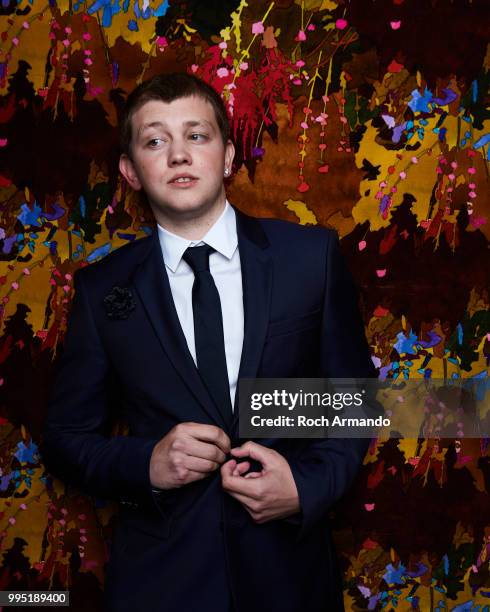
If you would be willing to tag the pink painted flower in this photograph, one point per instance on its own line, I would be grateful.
(301, 35)
(362, 245)
(381, 273)
(471, 170)
(341, 24)
(478, 221)
(86, 36)
(258, 28)
(395, 25)
(222, 72)
(403, 175)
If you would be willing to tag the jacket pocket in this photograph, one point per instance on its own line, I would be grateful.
(155, 525)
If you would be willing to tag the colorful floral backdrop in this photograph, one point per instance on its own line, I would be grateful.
(369, 116)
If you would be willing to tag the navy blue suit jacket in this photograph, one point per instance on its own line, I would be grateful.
(196, 548)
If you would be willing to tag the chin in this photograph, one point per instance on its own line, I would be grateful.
(192, 203)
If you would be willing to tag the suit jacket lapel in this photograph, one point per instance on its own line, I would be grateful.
(151, 282)
(256, 266)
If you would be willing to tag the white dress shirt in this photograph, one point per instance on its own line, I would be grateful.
(224, 265)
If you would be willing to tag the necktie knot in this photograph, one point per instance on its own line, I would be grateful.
(198, 257)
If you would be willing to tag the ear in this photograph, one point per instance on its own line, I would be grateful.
(229, 154)
(127, 169)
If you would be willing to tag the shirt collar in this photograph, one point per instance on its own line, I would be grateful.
(222, 236)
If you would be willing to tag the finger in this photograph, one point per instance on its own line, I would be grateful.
(253, 475)
(241, 468)
(210, 433)
(204, 450)
(255, 451)
(197, 464)
(250, 487)
(191, 476)
(227, 468)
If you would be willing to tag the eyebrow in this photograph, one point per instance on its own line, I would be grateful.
(190, 123)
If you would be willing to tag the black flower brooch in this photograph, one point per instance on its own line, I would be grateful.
(119, 303)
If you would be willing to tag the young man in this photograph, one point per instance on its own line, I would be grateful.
(161, 330)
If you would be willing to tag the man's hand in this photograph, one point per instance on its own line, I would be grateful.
(266, 495)
(189, 452)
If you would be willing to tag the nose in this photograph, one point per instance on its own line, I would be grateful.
(179, 153)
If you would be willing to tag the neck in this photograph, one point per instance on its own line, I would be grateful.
(194, 226)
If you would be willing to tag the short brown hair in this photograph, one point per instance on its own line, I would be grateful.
(167, 88)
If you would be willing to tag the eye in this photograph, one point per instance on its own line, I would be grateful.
(197, 137)
(154, 142)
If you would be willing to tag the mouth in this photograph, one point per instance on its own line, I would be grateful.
(183, 180)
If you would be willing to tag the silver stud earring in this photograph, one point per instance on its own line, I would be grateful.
(227, 172)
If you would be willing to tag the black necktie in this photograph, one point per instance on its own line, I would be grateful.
(208, 329)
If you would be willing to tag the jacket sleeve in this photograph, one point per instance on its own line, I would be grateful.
(325, 468)
(75, 444)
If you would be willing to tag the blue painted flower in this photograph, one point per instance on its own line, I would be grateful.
(394, 575)
(420, 103)
(27, 454)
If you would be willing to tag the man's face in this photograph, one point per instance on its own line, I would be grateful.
(178, 158)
